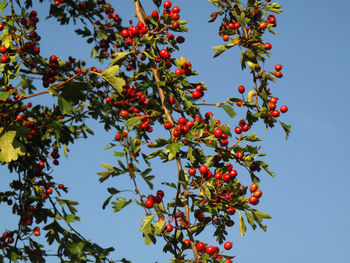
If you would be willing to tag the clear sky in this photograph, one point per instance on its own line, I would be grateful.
(308, 199)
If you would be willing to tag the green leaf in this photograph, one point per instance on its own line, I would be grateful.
(172, 149)
(113, 191)
(190, 155)
(206, 191)
(229, 110)
(14, 256)
(73, 91)
(157, 2)
(119, 58)
(10, 146)
(71, 218)
(75, 248)
(286, 128)
(109, 76)
(252, 138)
(5, 95)
(133, 121)
(274, 7)
(3, 5)
(108, 166)
(250, 219)
(64, 105)
(146, 228)
(122, 202)
(159, 227)
(242, 226)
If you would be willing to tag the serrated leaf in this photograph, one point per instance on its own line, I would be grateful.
(10, 146)
(286, 128)
(109, 76)
(75, 248)
(229, 110)
(172, 149)
(133, 121)
(119, 58)
(252, 138)
(159, 227)
(3, 5)
(6, 95)
(122, 202)
(71, 218)
(64, 105)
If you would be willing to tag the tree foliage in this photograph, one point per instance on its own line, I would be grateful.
(144, 87)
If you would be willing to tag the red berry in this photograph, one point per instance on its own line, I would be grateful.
(3, 49)
(218, 175)
(168, 125)
(284, 109)
(149, 203)
(167, 4)
(241, 89)
(160, 193)
(253, 187)
(257, 193)
(4, 59)
(275, 113)
(155, 14)
(192, 171)
(268, 46)
(200, 246)
(169, 228)
(273, 100)
(238, 130)
(36, 233)
(164, 54)
(225, 38)
(233, 173)
(210, 250)
(272, 106)
(108, 99)
(239, 155)
(196, 94)
(278, 67)
(228, 261)
(203, 169)
(278, 74)
(208, 114)
(263, 25)
(226, 177)
(253, 200)
(178, 72)
(53, 58)
(175, 9)
(228, 245)
(187, 242)
(237, 25)
(60, 186)
(218, 132)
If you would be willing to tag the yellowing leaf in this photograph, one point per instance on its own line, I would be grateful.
(251, 95)
(10, 147)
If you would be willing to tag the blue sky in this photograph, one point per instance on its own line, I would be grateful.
(308, 199)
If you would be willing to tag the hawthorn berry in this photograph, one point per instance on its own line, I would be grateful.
(160, 193)
(200, 246)
(238, 130)
(284, 109)
(203, 169)
(268, 46)
(241, 89)
(278, 74)
(169, 228)
(275, 113)
(3, 49)
(4, 59)
(196, 94)
(187, 242)
(253, 187)
(253, 200)
(175, 9)
(192, 171)
(218, 132)
(168, 125)
(257, 193)
(278, 67)
(164, 53)
(228, 245)
(167, 4)
(210, 250)
(149, 203)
